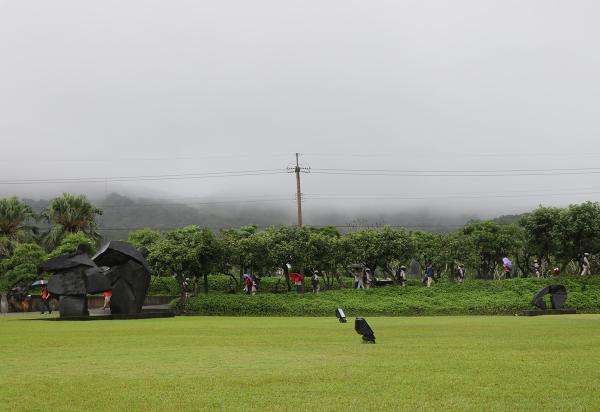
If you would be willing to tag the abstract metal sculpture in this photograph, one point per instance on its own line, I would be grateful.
(75, 275)
(362, 328)
(129, 275)
(558, 297)
(69, 281)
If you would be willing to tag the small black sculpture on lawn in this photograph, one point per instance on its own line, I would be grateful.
(73, 276)
(362, 328)
(339, 312)
(558, 297)
(129, 275)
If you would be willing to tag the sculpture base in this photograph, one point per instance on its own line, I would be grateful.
(144, 314)
(547, 312)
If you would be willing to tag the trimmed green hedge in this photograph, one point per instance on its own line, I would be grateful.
(225, 284)
(474, 297)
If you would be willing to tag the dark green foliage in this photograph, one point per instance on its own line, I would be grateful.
(163, 286)
(143, 238)
(475, 297)
(69, 244)
(70, 214)
(15, 220)
(22, 266)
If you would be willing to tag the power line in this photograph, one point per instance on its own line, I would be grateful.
(461, 171)
(206, 203)
(442, 174)
(402, 155)
(464, 196)
(142, 159)
(181, 176)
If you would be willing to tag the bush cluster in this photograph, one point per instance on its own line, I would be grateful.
(474, 297)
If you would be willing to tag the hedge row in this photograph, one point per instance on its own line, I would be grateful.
(225, 284)
(474, 297)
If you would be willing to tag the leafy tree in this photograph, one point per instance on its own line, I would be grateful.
(450, 249)
(428, 249)
(243, 248)
(22, 265)
(14, 218)
(323, 253)
(577, 231)
(69, 214)
(379, 247)
(492, 242)
(286, 245)
(186, 253)
(541, 228)
(143, 238)
(69, 244)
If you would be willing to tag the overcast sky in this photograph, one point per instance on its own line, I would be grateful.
(181, 87)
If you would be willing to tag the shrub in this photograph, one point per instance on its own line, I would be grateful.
(474, 297)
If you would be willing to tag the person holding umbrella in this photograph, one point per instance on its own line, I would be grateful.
(46, 300)
(507, 264)
(298, 280)
(247, 284)
(45, 295)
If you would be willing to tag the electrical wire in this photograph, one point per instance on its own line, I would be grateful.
(181, 176)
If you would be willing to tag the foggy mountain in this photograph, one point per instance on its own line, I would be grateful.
(122, 214)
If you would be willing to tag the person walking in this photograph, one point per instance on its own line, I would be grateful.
(368, 278)
(429, 274)
(537, 269)
(46, 300)
(247, 284)
(107, 296)
(460, 273)
(401, 275)
(585, 265)
(315, 282)
(358, 278)
(298, 282)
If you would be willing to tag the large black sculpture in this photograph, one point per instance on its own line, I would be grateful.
(129, 276)
(73, 276)
(118, 267)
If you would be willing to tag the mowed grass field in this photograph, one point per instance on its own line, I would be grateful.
(226, 363)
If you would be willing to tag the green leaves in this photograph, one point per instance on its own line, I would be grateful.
(69, 214)
(14, 216)
(22, 265)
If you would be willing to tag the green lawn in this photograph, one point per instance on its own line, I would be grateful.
(200, 363)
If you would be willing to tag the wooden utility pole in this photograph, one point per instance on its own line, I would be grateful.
(298, 192)
(297, 169)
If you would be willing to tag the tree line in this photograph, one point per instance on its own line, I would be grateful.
(556, 237)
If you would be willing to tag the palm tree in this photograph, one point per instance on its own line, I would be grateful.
(14, 218)
(69, 214)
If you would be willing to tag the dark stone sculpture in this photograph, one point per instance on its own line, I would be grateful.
(558, 297)
(362, 328)
(69, 281)
(129, 275)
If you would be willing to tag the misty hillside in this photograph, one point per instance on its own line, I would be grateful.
(123, 214)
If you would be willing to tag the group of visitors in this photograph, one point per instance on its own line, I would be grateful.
(363, 279)
(251, 284)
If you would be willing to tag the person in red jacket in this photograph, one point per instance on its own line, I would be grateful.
(298, 280)
(46, 300)
(107, 296)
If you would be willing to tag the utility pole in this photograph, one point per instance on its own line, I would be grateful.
(297, 169)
